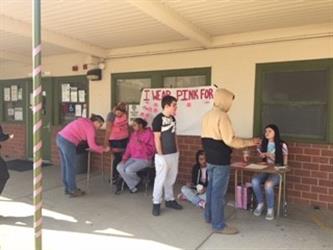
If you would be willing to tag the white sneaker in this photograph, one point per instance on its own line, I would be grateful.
(258, 210)
(270, 215)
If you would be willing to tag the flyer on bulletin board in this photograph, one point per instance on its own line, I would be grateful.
(65, 92)
(14, 92)
(18, 114)
(78, 110)
(82, 95)
(6, 94)
(73, 94)
(20, 94)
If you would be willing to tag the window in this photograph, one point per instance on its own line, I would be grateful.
(296, 96)
(126, 87)
(184, 81)
(129, 90)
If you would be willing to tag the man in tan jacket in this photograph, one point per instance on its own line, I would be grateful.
(218, 139)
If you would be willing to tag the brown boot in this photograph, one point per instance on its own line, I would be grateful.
(227, 230)
(77, 193)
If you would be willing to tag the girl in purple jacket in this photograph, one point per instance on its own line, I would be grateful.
(138, 155)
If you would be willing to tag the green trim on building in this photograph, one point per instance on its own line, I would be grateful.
(309, 65)
(156, 77)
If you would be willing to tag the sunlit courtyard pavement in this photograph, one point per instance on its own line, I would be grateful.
(102, 220)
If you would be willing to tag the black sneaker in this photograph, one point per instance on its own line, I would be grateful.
(156, 209)
(119, 185)
(173, 204)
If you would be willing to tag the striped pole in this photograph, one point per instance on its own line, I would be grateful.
(37, 122)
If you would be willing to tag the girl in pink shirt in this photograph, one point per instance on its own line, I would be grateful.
(117, 133)
(76, 132)
(138, 155)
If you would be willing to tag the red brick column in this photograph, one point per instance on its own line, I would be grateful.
(15, 148)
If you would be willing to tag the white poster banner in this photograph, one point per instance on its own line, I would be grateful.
(133, 112)
(192, 104)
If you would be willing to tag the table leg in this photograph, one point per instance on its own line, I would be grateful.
(242, 178)
(284, 195)
(279, 196)
(111, 170)
(236, 182)
(88, 169)
(102, 163)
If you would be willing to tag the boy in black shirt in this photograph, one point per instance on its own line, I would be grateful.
(167, 155)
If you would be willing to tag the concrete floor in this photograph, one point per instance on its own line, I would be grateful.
(102, 220)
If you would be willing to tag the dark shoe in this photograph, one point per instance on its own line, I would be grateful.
(67, 192)
(119, 185)
(114, 180)
(173, 204)
(77, 193)
(156, 209)
(227, 230)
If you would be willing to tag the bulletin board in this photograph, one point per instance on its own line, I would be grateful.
(13, 102)
(73, 101)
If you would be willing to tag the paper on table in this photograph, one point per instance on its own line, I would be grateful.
(256, 166)
(238, 164)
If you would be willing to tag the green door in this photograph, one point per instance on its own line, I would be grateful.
(47, 114)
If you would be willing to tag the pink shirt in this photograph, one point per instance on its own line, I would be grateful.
(81, 129)
(119, 129)
(141, 145)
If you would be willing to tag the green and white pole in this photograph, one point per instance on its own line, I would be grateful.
(37, 122)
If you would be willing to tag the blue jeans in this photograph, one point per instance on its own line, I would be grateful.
(270, 181)
(218, 180)
(68, 159)
(192, 195)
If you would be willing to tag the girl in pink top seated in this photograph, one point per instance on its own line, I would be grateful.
(81, 129)
(138, 155)
(117, 133)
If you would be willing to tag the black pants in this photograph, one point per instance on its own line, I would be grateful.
(121, 145)
(4, 175)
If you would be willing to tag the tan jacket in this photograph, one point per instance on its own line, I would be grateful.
(216, 123)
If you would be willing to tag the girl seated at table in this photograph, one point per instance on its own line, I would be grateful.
(273, 151)
(138, 155)
(195, 192)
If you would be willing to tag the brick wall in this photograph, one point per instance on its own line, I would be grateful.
(14, 148)
(310, 180)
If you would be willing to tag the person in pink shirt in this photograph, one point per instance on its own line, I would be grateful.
(117, 134)
(76, 132)
(138, 155)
